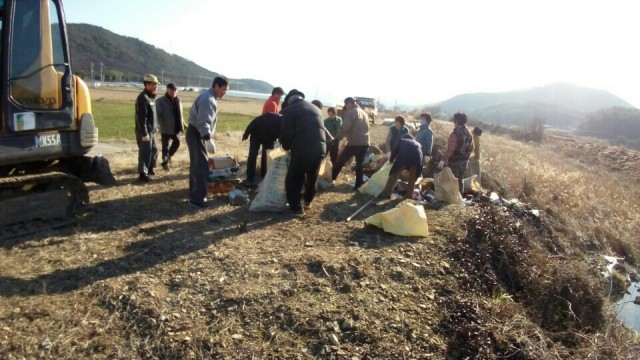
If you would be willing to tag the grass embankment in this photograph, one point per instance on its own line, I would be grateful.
(595, 206)
(115, 120)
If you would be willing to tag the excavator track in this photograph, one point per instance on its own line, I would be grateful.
(39, 202)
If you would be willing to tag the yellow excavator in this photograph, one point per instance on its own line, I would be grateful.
(46, 124)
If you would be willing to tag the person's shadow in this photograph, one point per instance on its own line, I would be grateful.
(166, 242)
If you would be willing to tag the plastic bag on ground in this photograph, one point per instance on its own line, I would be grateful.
(447, 189)
(471, 185)
(377, 182)
(405, 220)
(271, 195)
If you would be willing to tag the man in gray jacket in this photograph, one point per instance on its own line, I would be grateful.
(169, 109)
(203, 118)
(355, 127)
(146, 128)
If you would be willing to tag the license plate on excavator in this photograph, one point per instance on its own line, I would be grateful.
(48, 140)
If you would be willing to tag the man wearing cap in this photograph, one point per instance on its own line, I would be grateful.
(303, 133)
(459, 149)
(272, 105)
(355, 127)
(146, 128)
(171, 123)
(203, 118)
(473, 168)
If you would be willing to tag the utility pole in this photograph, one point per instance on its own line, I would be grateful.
(101, 78)
(198, 82)
(162, 77)
(189, 80)
(93, 79)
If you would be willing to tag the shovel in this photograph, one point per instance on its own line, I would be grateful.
(361, 208)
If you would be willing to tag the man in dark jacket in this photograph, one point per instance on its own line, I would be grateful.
(459, 149)
(146, 128)
(407, 155)
(304, 134)
(171, 123)
(264, 130)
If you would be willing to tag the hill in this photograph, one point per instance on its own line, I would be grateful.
(126, 59)
(618, 124)
(561, 105)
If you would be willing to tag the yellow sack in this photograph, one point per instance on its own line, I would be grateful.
(324, 174)
(447, 189)
(325, 169)
(405, 220)
(377, 181)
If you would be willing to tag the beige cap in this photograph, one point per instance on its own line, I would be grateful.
(151, 78)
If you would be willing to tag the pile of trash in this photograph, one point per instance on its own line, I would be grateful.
(223, 177)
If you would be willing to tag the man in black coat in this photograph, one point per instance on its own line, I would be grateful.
(264, 130)
(146, 128)
(303, 133)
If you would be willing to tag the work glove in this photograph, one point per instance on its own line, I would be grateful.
(426, 159)
(211, 146)
(441, 165)
(146, 138)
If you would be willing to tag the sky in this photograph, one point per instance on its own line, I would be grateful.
(401, 52)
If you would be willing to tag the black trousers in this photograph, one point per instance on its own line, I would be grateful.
(333, 151)
(254, 149)
(147, 154)
(301, 172)
(359, 152)
(198, 166)
(169, 150)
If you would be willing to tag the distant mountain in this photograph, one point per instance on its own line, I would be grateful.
(621, 125)
(126, 59)
(561, 105)
(571, 96)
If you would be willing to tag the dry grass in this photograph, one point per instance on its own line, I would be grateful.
(142, 276)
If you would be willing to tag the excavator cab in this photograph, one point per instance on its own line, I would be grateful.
(46, 111)
(46, 123)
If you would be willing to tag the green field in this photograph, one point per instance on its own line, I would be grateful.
(115, 120)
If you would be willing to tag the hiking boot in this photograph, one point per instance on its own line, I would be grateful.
(151, 172)
(306, 206)
(144, 178)
(197, 206)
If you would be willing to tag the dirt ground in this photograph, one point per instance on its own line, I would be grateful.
(143, 276)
